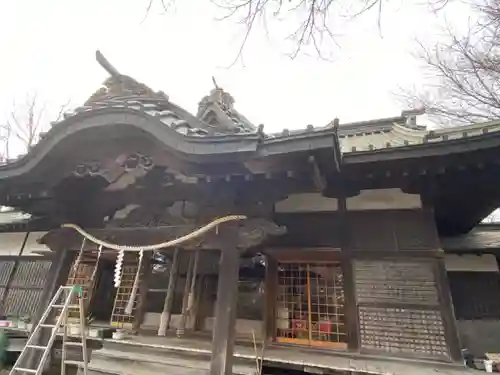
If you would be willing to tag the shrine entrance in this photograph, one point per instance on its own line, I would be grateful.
(99, 293)
(101, 303)
(310, 305)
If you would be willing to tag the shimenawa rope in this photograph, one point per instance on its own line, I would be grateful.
(198, 232)
(122, 248)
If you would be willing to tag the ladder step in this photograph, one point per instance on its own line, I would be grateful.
(36, 347)
(61, 306)
(64, 304)
(20, 369)
(71, 362)
(73, 343)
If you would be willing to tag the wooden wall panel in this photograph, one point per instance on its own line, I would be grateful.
(398, 230)
(398, 307)
(6, 268)
(308, 230)
(26, 286)
(395, 282)
(402, 331)
(31, 274)
(370, 231)
(476, 295)
(415, 230)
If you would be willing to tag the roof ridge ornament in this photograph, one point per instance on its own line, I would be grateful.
(120, 85)
(411, 115)
(215, 83)
(113, 72)
(231, 121)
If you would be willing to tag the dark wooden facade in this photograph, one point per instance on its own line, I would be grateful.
(132, 168)
(396, 293)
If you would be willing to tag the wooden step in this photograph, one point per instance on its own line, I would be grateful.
(149, 364)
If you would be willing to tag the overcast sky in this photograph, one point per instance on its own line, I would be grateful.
(49, 47)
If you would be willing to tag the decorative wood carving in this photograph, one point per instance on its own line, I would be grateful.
(253, 232)
(120, 172)
(148, 216)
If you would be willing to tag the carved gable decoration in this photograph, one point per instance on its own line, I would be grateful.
(122, 86)
(125, 170)
(217, 109)
(122, 91)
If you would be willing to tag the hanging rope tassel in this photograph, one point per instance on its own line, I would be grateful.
(118, 268)
(130, 304)
(96, 264)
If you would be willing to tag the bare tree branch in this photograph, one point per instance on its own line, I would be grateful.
(165, 4)
(24, 125)
(314, 18)
(465, 72)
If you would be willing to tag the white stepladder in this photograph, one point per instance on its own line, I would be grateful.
(73, 292)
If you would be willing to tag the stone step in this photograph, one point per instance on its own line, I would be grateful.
(128, 362)
(170, 350)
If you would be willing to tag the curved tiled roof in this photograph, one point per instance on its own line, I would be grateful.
(122, 91)
(216, 117)
(390, 133)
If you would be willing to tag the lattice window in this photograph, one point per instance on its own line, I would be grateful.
(119, 318)
(310, 305)
(82, 276)
(26, 288)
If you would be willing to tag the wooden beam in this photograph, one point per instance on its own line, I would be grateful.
(318, 177)
(225, 311)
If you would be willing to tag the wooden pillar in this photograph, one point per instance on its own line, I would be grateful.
(194, 313)
(169, 298)
(350, 306)
(192, 298)
(205, 303)
(447, 311)
(225, 311)
(185, 297)
(270, 298)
